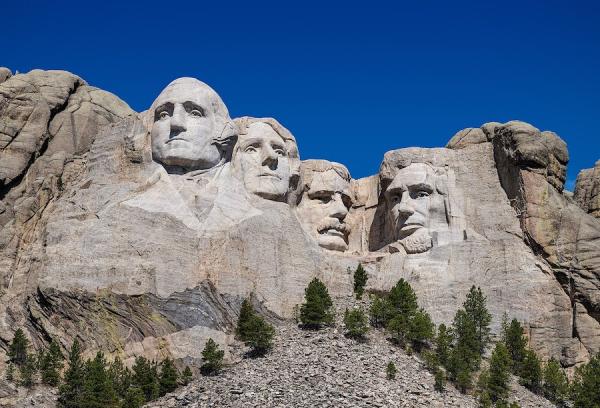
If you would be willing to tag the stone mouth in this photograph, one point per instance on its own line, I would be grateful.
(270, 175)
(175, 138)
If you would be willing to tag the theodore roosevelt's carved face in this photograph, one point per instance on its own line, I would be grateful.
(412, 200)
(188, 117)
(263, 160)
(325, 202)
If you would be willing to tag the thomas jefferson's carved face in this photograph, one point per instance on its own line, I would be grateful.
(323, 209)
(188, 116)
(411, 199)
(262, 158)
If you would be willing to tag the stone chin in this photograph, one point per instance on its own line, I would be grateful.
(332, 241)
(418, 242)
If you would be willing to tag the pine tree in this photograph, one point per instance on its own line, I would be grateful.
(516, 343)
(402, 299)
(443, 341)
(585, 389)
(246, 314)
(420, 329)
(212, 358)
(355, 322)
(531, 371)
(482, 388)
(390, 370)
(498, 382)
(10, 372)
(440, 380)
(134, 398)
(27, 371)
(555, 383)
(17, 351)
(168, 377)
(397, 327)
(317, 309)
(98, 391)
(360, 281)
(379, 312)
(51, 363)
(476, 309)
(464, 357)
(145, 377)
(120, 377)
(70, 392)
(187, 376)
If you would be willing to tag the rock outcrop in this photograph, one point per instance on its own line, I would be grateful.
(148, 230)
(587, 190)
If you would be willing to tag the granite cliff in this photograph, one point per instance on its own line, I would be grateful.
(141, 233)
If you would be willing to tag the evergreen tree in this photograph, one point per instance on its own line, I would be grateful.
(397, 327)
(420, 329)
(246, 314)
(317, 309)
(443, 341)
(516, 343)
(253, 330)
(355, 322)
(145, 377)
(70, 392)
(10, 372)
(51, 363)
(120, 377)
(379, 312)
(134, 398)
(168, 377)
(17, 351)
(187, 376)
(482, 388)
(531, 371)
(98, 391)
(360, 281)
(585, 389)
(27, 371)
(402, 299)
(476, 309)
(212, 358)
(499, 373)
(464, 379)
(440, 380)
(390, 370)
(260, 335)
(464, 357)
(555, 383)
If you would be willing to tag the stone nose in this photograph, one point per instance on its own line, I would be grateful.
(405, 208)
(178, 120)
(269, 157)
(338, 208)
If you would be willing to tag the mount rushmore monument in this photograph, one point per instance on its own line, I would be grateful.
(141, 233)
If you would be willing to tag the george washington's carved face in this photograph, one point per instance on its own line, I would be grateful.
(412, 201)
(324, 204)
(188, 116)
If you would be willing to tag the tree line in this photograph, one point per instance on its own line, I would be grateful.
(452, 353)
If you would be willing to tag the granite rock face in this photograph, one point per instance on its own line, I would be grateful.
(148, 230)
(587, 190)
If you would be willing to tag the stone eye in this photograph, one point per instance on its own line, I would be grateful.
(422, 194)
(196, 113)
(163, 115)
(250, 149)
(395, 198)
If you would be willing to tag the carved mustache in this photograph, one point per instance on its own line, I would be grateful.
(333, 223)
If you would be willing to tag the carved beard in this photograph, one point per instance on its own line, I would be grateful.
(418, 242)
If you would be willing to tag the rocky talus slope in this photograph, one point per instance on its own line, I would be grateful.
(325, 369)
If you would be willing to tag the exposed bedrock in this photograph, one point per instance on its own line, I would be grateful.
(142, 233)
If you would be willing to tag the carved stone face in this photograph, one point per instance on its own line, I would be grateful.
(324, 205)
(188, 116)
(413, 201)
(262, 158)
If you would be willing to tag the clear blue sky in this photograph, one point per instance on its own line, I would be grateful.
(350, 80)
